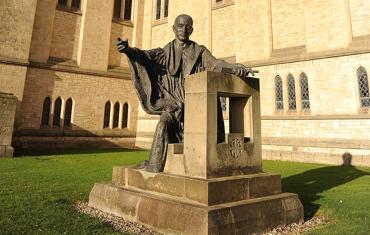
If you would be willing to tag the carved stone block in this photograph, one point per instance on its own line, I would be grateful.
(7, 113)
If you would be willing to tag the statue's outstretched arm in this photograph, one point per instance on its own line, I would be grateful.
(222, 66)
(239, 70)
(155, 55)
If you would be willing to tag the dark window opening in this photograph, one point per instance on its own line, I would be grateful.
(158, 10)
(165, 8)
(106, 115)
(57, 112)
(128, 8)
(68, 113)
(46, 112)
(116, 115)
(76, 4)
(125, 116)
(117, 9)
(62, 3)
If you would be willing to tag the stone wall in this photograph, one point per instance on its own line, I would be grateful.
(223, 26)
(12, 78)
(95, 36)
(42, 33)
(66, 34)
(17, 18)
(287, 21)
(89, 94)
(117, 59)
(252, 30)
(360, 17)
(7, 106)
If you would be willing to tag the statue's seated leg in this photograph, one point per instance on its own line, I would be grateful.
(164, 133)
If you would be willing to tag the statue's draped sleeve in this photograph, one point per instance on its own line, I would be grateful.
(147, 67)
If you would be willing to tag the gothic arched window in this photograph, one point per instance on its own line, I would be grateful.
(46, 112)
(291, 93)
(305, 96)
(279, 93)
(125, 116)
(116, 115)
(363, 85)
(68, 113)
(57, 112)
(106, 115)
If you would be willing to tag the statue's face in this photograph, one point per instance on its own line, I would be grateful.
(183, 28)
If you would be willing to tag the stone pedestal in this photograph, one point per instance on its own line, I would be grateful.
(8, 104)
(206, 187)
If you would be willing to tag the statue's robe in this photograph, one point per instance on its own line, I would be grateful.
(158, 76)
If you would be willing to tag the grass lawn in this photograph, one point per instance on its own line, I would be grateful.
(37, 193)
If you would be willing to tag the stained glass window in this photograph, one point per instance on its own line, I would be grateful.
(291, 93)
(363, 85)
(305, 96)
(279, 93)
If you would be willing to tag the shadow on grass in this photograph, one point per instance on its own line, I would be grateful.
(49, 152)
(310, 184)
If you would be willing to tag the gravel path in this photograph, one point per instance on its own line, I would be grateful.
(133, 228)
(298, 228)
(117, 223)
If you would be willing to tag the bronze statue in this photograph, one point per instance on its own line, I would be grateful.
(158, 76)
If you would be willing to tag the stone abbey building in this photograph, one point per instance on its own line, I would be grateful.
(73, 89)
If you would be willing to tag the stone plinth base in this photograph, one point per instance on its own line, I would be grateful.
(6, 151)
(182, 205)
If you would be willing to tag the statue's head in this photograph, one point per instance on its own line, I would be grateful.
(183, 27)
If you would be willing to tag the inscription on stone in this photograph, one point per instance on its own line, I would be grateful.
(5, 131)
(236, 147)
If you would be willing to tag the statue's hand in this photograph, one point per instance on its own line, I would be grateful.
(122, 45)
(242, 71)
